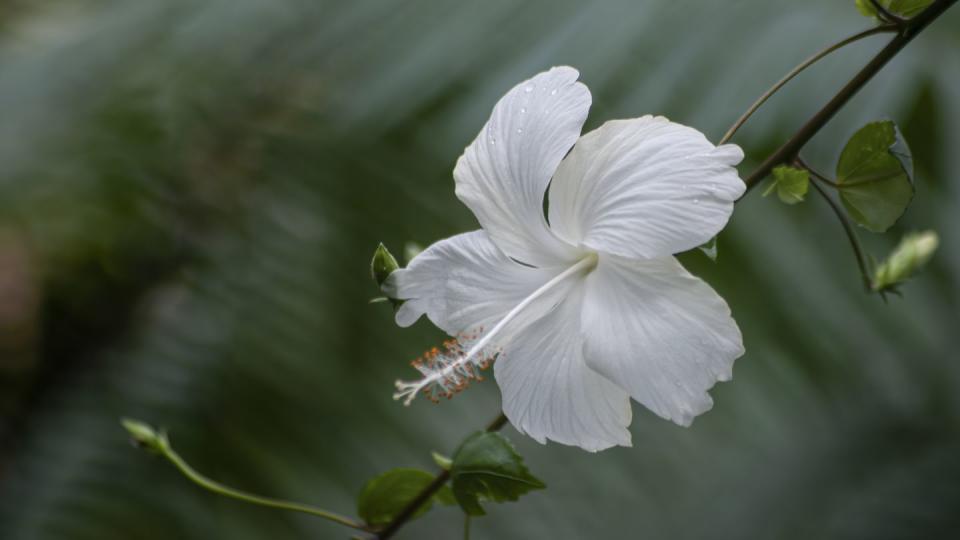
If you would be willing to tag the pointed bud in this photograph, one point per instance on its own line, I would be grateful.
(144, 436)
(382, 265)
(909, 257)
(442, 461)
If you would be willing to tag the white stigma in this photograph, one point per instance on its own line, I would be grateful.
(446, 372)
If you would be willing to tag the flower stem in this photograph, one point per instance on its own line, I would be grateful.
(847, 227)
(886, 15)
(817, 175)
(466, 527)
(797, 70)
(905, 34)
(210, 485)
(438, 482)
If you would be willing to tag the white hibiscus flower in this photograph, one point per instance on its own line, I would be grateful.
(588, 308)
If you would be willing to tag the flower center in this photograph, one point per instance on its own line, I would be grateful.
(446, 372)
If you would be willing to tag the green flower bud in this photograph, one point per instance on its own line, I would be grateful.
(442, 461)
(909, 257)
(144, 436)
(382, 265)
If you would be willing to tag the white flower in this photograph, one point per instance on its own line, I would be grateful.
(586, 309)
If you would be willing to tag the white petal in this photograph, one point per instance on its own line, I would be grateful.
(644, 188)
(660, 333)
(550, 393)
(503, 175)
(462, 283)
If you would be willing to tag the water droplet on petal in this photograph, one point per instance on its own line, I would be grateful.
(519, 130)
(493, 141)
(523, 110)
(553, 92)
(528, 88)
(696, 201)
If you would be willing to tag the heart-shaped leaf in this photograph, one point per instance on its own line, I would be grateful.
(874, 176)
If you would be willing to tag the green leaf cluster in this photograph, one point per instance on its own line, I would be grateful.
(790, 183)
(903, 8)
(385, 496)
(485, 467)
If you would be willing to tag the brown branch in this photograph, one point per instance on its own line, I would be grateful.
(788, 152)
(432, 488)
(799, 69)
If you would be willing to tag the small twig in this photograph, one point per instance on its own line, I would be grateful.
(851, 235)
(438, 482)
(160, 443)
(789, 150)
(797, 70)
(816, 175)
(886, 15)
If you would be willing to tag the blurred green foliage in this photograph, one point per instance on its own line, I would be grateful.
(190, 192)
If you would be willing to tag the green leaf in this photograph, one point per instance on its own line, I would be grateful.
(791, 184)
(866, 8)
(445, 496)
(908, 8)
(903, 8)
(487, 467)
(874, 176)
(386, 495)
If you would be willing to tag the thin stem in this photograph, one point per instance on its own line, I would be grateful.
(497, 423)
(851, 234)
(466, 527)
(788, 151)
(220, 489)
(886, 15)
(797, 70)
(816, 174)
(438, 482)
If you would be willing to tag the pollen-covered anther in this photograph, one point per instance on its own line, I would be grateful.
(448, 370)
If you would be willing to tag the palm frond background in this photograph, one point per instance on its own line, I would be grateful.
(190, 191)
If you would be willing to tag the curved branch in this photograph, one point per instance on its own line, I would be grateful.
(789, 150)
(797, 70)
(847, 226)
(429, 491)
(199, 479)
(887, 15)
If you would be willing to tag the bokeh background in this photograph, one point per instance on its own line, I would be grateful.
(190, 192)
